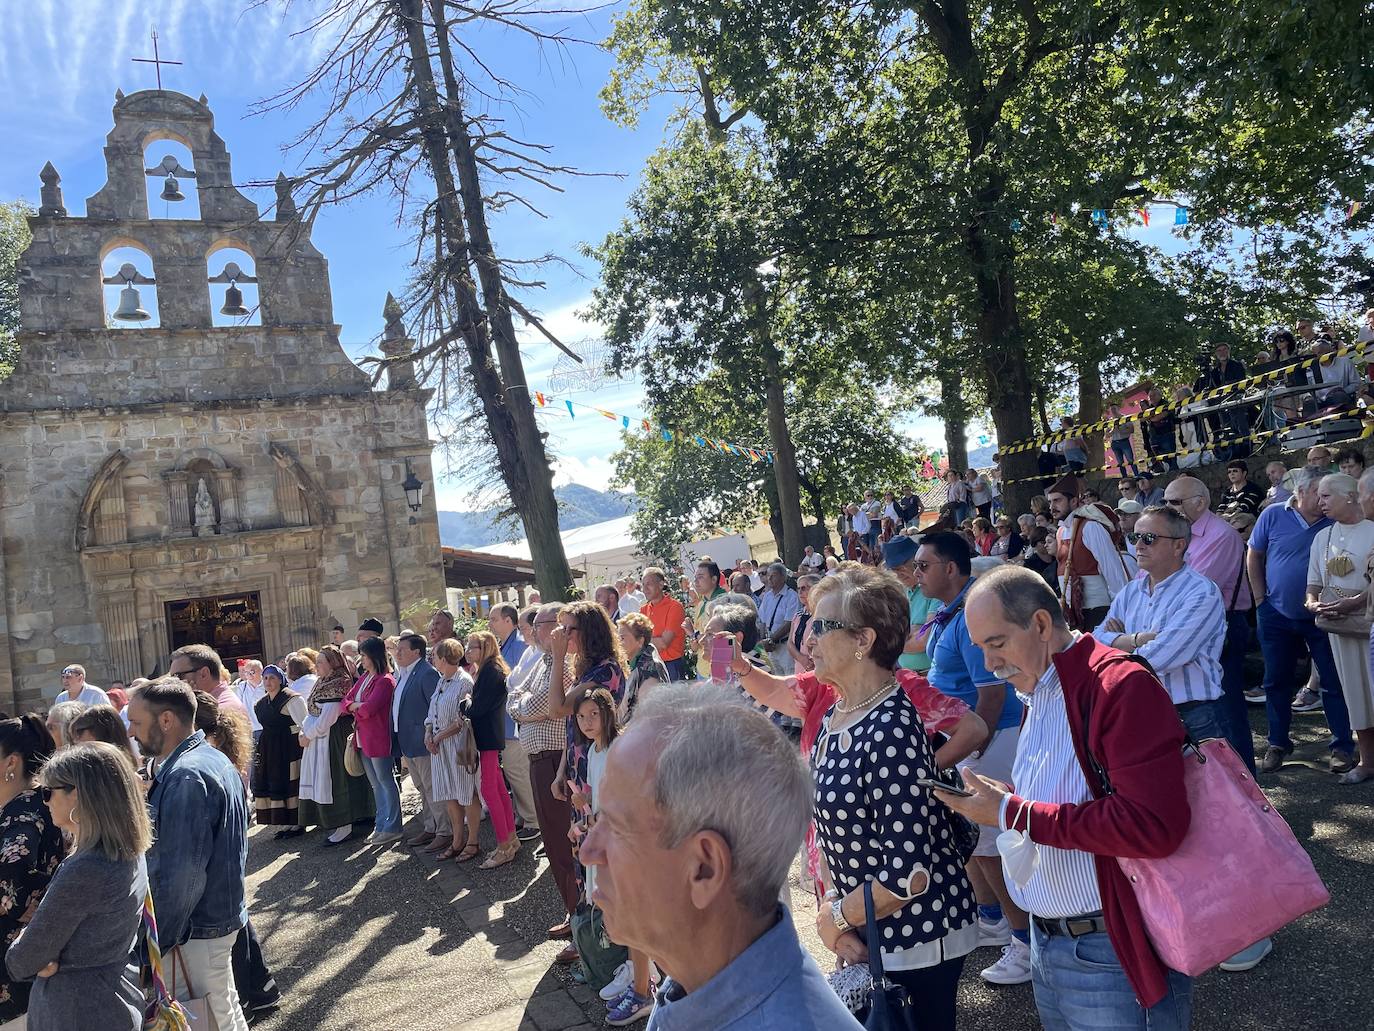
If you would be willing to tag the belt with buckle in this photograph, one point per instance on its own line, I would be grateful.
(1072, 926)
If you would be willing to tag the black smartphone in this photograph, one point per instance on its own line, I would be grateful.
(939, 785)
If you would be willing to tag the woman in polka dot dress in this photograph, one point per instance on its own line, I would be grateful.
(873, 821)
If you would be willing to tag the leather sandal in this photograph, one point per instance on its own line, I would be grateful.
(466, 853)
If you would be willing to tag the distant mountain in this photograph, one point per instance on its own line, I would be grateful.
(577, 506)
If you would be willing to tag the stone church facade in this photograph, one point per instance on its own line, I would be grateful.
(241, 485)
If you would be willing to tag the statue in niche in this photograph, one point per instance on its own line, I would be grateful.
(205, 510)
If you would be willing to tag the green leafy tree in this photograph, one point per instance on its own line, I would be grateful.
(14, 239)
(911, 141)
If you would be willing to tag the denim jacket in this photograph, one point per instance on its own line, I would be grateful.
(200, 844)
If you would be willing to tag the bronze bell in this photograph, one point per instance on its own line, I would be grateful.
(130, 309)
(233, 302)
(171, 190)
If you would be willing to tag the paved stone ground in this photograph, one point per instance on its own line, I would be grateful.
(377, 939)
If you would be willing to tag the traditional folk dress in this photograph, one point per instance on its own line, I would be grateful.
(329, 797)
(277, 766)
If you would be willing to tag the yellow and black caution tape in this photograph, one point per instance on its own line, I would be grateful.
(1264, 378)
(1357, 412)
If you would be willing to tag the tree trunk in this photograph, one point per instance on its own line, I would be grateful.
(1005, 369)
(525, 467)
(955, 414)
(785, 475)
(1042, 408)
(1090, 408)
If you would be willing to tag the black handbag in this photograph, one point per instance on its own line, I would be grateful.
(889, 1005)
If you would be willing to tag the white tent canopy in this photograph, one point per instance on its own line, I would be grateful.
(605, 550)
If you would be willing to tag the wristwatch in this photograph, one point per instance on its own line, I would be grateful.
(837, 916)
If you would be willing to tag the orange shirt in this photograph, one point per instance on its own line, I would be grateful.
(667, 614)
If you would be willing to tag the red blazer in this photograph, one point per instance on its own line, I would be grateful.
(372, 719)
(1123, 715)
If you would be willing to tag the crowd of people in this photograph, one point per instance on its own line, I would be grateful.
(906, 715)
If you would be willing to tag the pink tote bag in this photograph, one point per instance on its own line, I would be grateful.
(1239, 875)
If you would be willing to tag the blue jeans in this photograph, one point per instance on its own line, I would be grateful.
(381, 775)
(1279, 639)
(1080, 986)
(1124, 450)
(1235, 713)
(1203, 719)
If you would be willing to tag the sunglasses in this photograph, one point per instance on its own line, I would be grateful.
(1149, 539)
(46, 792)
(925, 563)
(821, 627)
(1178, 502)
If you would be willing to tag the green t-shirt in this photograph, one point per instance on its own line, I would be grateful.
(922, 608)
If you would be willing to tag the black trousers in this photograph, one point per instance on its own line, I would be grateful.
(933, 992)
(252, 980)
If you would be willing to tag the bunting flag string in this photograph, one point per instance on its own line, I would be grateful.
(1261, 379)
(668, 434)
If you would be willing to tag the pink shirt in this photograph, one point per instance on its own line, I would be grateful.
(1217, 551)
(227, 699)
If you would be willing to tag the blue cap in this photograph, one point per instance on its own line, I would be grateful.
(899, 551)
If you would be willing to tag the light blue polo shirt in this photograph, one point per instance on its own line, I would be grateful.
(956, 664)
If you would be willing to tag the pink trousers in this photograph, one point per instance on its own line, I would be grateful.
(495, 796)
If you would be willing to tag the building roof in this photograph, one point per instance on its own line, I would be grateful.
(466, 569)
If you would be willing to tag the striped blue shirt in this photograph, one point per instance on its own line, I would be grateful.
(1047, 770)
(1188, 618)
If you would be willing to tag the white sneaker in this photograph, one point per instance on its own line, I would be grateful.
(997, 934)
(624, 977)
(1013, 968)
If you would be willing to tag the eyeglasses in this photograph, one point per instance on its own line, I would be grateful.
(821, 627)
(1149, 539)
(69, 672)
(925, 563)
(46, 792)
(1178, 502)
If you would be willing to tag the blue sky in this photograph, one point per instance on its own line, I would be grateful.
(60, 64)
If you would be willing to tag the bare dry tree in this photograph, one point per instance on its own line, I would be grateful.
(399, 82)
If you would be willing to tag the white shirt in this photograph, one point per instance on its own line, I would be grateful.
(1046, 769)
(249, 695)
(1111, 578)
(1186, 613)
(628, 603)
(90, 695)
(778, 608)
(860, 521)
(402, 675)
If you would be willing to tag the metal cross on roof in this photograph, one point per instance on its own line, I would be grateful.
(156, 60)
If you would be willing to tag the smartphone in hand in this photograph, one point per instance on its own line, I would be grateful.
(722, 651)
(939, 785)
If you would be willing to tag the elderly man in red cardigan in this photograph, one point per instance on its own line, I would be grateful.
(1092, 966)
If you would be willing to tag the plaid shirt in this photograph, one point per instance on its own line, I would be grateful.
(539, 732)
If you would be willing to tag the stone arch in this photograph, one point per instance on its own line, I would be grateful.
(180, 153)
(199, 454)
(118, 255)
(100, 519)
(226, 256)
(300, 499)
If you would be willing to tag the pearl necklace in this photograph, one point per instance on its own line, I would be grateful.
(867, 703)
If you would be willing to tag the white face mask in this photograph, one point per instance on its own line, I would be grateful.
(1020, 855)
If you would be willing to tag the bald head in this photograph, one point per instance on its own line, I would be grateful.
(1189, 496)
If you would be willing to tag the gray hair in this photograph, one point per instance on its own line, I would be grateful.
(981, 564)
(1367, 482)
(112, 816)
(731, 598)
(1021, 593)
(808, 580)
(552, 608)
(777, 567)
(1341, 483)
(62, 714)
(1306, 478)
(1026, 520)
(724, 767)
(1176, 521)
